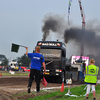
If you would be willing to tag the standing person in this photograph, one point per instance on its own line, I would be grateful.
(91, 77)
(36, 61)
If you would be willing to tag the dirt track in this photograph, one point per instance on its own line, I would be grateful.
(10, 86)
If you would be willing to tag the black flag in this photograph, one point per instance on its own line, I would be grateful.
(15, 48)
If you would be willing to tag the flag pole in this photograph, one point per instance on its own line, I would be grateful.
(23, 46)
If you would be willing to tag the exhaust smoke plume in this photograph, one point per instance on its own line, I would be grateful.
(91, 40)
(54, 23)
(59, 26)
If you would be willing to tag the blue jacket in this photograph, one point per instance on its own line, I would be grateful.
(36, 60)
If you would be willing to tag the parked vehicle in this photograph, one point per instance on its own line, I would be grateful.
(54, 53)
(25, 69)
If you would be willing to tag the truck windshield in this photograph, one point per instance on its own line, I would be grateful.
(51, 53)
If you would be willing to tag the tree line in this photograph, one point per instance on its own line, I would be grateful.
(22, 61)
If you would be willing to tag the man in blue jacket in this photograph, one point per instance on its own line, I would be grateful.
(37, 60)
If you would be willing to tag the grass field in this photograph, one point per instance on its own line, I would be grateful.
(78, 91)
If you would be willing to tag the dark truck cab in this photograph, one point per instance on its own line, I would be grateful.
(54, 53)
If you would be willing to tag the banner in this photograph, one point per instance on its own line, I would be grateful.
(69, 10)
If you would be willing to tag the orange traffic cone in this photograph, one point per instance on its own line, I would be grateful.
(62, 87)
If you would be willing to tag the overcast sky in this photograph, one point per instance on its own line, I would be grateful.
(21, 21)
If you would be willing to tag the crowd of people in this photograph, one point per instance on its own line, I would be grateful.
(5, 68)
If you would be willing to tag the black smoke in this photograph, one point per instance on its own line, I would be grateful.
(54, 23)
(72, 34)
(91, 39)
(50, 24)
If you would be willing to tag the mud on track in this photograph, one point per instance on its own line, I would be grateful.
(10, 86)
(14, 85)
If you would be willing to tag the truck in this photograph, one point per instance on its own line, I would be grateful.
(57, 67)
(54, 53)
